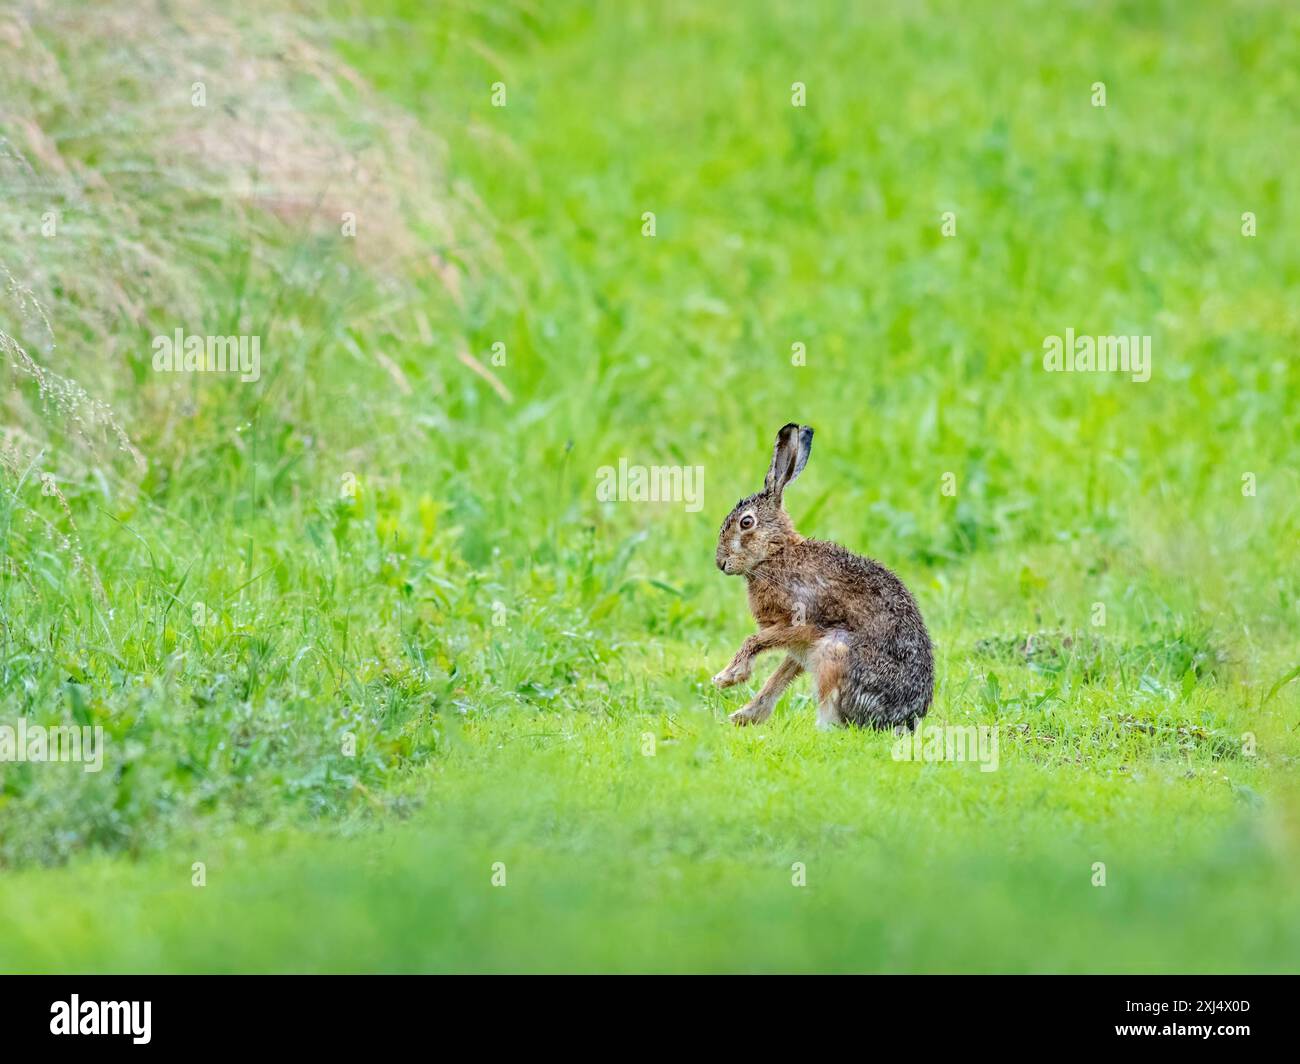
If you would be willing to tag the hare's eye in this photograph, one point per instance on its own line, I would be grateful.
(747, 522)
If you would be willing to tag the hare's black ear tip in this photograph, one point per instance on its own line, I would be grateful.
(805, 433)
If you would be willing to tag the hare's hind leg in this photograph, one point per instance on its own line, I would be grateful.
(761, 707)
(830, 663)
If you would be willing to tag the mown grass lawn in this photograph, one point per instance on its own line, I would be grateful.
(605, 859)
(368, 648)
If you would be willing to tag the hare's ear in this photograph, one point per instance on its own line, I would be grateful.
(793, 444)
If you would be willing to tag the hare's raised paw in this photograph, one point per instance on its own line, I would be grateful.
(730, 676)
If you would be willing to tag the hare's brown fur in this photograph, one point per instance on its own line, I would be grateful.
(846, 619)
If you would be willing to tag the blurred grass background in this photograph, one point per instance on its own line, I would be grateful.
(393, 537)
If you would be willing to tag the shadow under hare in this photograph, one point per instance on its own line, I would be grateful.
(846, 619)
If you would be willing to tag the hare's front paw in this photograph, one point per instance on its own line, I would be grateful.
(731, 675)
(744, 716)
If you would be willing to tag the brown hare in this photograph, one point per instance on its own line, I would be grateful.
(846, 619)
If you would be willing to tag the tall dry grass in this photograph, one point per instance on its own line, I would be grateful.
(165, 165)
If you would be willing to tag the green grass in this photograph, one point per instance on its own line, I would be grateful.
(502, 647)
(685, 860)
